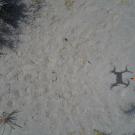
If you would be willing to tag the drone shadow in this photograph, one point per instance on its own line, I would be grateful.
(119, 77)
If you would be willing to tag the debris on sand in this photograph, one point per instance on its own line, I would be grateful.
(97, 132)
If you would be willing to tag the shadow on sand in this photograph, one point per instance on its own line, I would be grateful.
(11, 13)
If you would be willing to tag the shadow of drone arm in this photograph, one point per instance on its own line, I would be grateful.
(126, 70)
(113, 85)
(114, 70)
(127, 84)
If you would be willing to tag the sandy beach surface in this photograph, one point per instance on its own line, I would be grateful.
(59, 77)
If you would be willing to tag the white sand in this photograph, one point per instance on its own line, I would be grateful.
(63, 87)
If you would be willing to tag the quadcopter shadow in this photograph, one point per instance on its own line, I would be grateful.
(119, 78)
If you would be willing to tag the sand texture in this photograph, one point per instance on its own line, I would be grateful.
(59, 77)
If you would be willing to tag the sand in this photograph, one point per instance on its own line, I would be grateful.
(59, 76)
